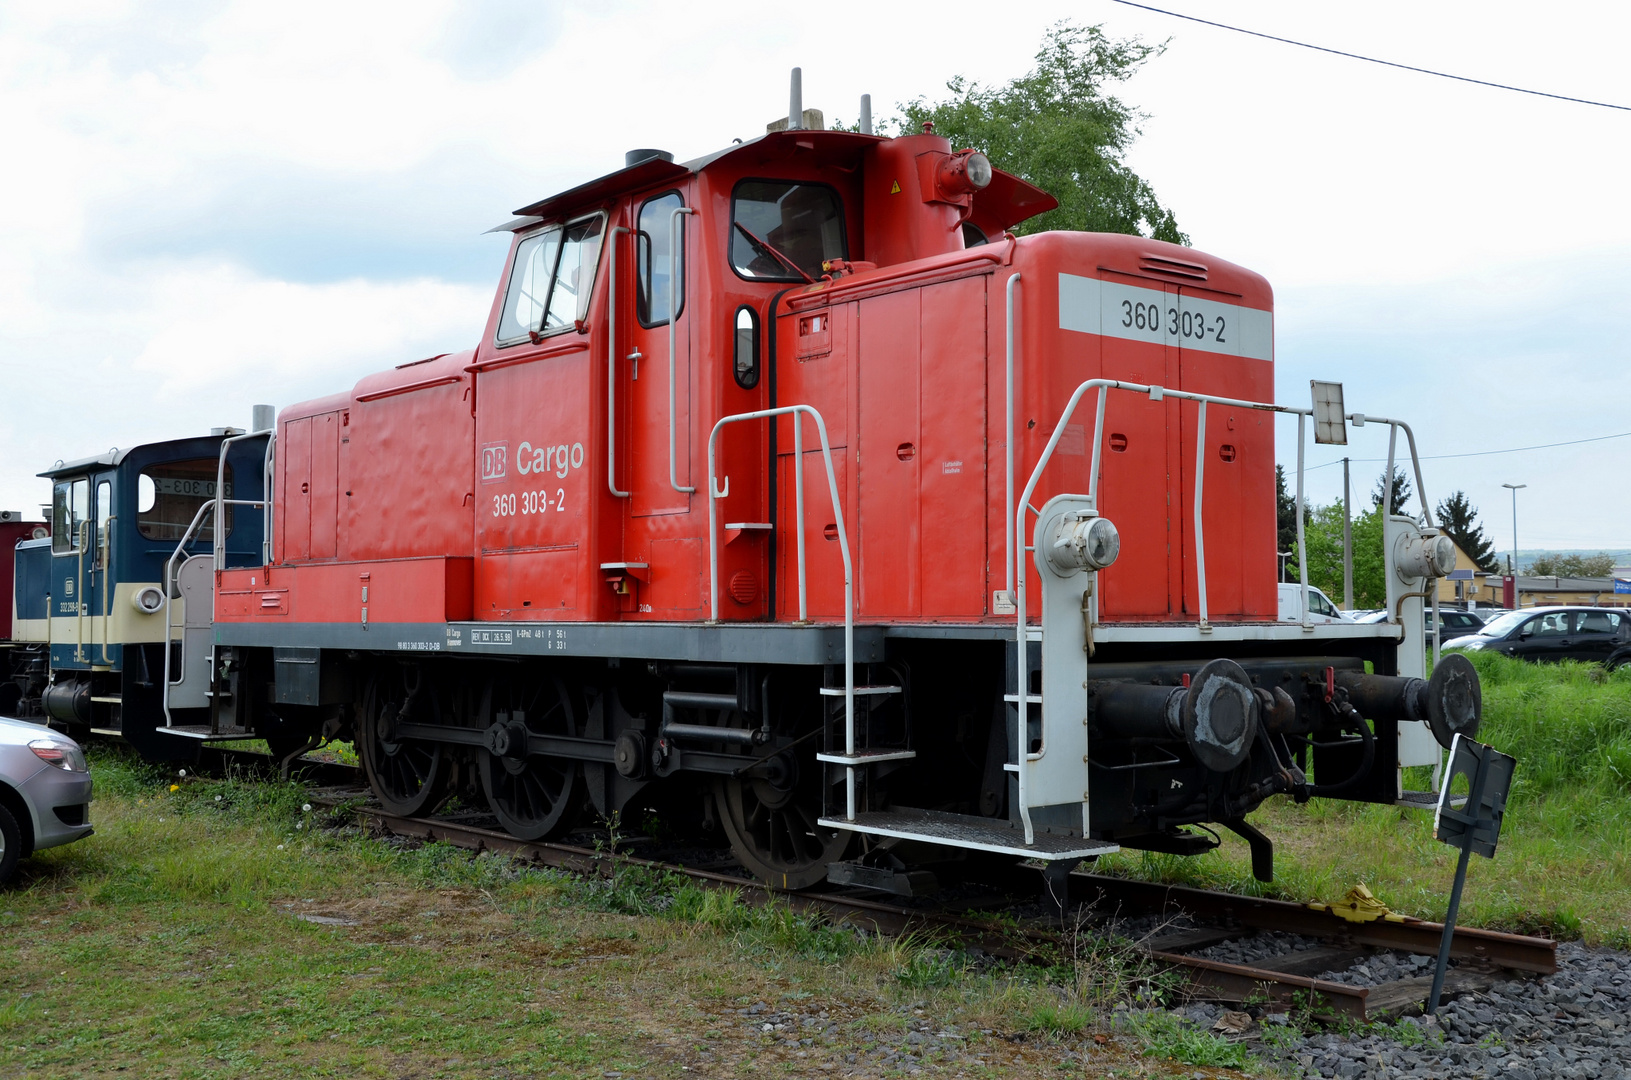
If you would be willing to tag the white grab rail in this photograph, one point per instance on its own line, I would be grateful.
(217, 554)
(611, 364)
(715, 492)
(676, 236)
(1016, 516)
(1012, 365)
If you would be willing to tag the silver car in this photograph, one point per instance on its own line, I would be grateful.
(45, 792)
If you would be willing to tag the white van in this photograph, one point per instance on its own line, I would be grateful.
(1319, 605)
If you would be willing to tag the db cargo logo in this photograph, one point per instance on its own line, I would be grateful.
(495, 461)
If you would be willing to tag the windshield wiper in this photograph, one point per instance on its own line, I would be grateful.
(763, 247)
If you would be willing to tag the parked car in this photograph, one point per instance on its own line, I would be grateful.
(45, 792)
(1595, 634)
(1319, 605)
(1456, 624)
(1453, 624)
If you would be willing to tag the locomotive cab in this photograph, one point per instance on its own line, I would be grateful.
(133, 546)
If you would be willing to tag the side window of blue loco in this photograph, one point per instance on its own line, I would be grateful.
(70, 513)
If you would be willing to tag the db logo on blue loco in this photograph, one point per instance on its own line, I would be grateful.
(495, 460)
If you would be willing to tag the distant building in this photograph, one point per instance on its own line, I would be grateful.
(1594, 591)
(1469, 585)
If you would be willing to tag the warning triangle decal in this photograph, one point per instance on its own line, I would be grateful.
(894, 189)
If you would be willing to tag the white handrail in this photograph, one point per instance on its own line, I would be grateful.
(221, 500)
(715, 492)
(1022, 682)
(81, 541)
(1013, 363)
(1016, 517)
(268, 482)
(170, 580)
(1302, 542)
(611, 364)
(106, 544)
(1360, 420)
(1199, 525)
(676, 236)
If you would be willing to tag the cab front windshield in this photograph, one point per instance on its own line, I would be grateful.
(801, 223)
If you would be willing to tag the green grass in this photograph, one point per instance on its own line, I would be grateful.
(1165, 1036)
(171, 943)
(172, 935)
(1563, 867)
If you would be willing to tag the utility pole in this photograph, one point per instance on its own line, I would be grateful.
(1512, 564)
(1347, 544)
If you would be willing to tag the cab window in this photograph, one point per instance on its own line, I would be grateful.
(168, 497)
(1321, 605)
(70, 510)
(656, 218)
(551, 281)
(777, 225)
(104, 515)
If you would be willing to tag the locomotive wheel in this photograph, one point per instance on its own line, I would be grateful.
(533, 797)
(407, 776)
(772, 826)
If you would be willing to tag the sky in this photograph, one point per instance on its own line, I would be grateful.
(210, 205)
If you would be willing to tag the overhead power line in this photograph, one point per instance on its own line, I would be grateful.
(1484, 453)
(1372, 59)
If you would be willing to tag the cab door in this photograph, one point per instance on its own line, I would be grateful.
(659, 301)
(665, 481)
(73, 551)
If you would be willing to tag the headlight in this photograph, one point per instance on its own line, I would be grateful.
(979, 171)
(962, 174)
(65, 756)
(1083, 543)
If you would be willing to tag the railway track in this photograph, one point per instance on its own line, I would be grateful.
(1288, 979)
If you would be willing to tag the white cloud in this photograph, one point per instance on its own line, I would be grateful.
(180, 349)
(1448, 250)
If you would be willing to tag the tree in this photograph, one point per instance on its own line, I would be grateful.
(1057, 128)
(1285, 515)
(1324, 534)
(1401, 491)
(1573, 564)
(1459, 518)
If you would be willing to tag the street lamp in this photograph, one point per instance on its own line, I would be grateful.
(1284, 555)
(1512, 563)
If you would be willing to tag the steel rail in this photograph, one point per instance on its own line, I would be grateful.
(1277, 979)
(1516, 952)
(1209, 979)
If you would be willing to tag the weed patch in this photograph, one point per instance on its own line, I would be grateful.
(1165, 1035)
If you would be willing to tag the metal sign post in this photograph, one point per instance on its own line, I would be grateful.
(1474, 826)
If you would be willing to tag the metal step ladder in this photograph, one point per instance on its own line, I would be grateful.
(848, 744)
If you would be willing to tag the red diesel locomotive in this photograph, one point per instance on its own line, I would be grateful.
(788, 482)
